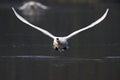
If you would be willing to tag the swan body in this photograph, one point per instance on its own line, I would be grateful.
(60, 43)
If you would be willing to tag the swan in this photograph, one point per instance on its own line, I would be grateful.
(32, 8)
(32, 4)
(61, 43)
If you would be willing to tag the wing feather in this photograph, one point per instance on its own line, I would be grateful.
(89, 26)
(38, 28)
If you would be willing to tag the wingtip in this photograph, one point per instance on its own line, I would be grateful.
(105, 14)
(107, 10)
(12, 8)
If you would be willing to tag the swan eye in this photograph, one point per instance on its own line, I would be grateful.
(57, 39)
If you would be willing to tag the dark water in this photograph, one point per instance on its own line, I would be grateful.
(27, 54)
(59, 68)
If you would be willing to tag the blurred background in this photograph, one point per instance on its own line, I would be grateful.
(27, 54)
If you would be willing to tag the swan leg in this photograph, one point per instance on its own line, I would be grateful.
(56, 48)
(65, 48)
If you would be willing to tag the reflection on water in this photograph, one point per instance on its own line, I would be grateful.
(61, 58)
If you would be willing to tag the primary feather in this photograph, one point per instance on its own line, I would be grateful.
(89, 26)
(38, 28)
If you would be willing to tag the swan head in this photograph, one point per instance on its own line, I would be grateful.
(57, 40)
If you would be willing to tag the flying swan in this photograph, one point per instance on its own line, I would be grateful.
(32, 8)
(60, 43)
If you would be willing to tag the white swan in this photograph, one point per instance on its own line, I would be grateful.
(31, 4)
(31, 8)
(61, 43)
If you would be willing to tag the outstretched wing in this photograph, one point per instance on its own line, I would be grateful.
(24, 6)
(89, 26)
(42, 6)
(25, 21)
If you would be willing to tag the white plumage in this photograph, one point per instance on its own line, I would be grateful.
(61, 43)
(32, 8)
